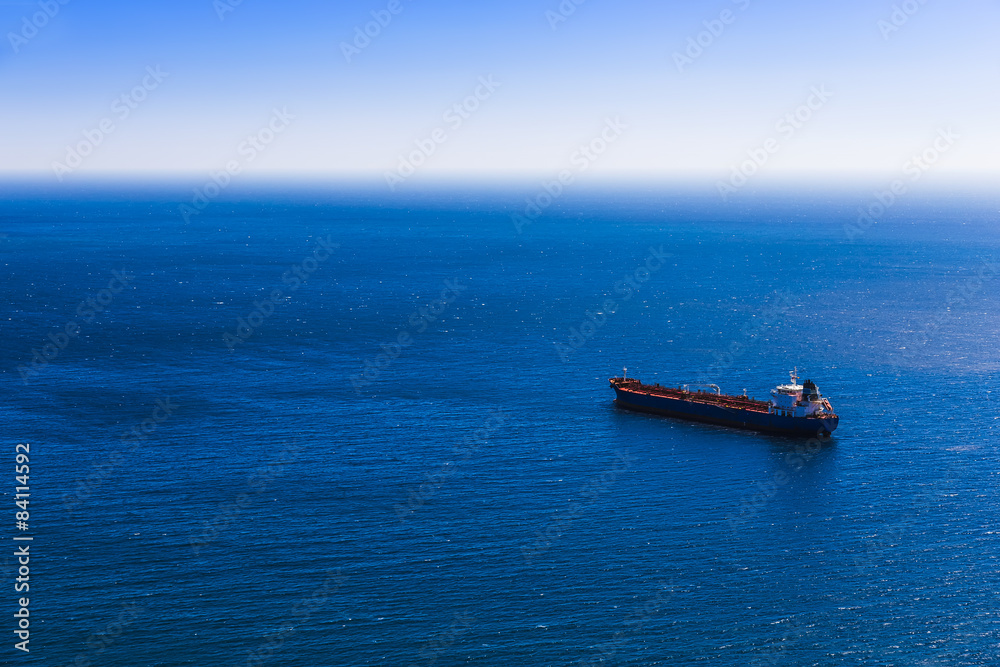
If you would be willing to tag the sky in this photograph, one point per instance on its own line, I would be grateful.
(658, 90)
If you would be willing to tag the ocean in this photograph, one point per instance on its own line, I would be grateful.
(330, 426)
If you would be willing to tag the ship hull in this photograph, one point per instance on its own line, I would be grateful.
(724, 416)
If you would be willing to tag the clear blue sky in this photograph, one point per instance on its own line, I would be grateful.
(890, 94)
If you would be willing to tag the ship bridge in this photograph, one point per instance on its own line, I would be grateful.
(799, 400)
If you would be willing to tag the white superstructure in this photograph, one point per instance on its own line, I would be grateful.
(798, 400)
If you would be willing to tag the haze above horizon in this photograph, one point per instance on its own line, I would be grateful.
(405, 92)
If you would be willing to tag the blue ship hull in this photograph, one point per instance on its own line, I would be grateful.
(693, 410)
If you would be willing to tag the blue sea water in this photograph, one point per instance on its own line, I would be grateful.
(296, 487)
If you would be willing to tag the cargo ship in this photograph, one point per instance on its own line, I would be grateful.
(794, 409)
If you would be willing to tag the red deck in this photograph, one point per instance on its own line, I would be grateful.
(723, 400)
